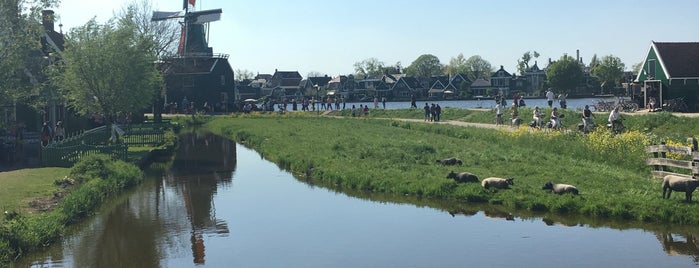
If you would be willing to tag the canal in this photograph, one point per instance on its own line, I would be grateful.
(220, 204)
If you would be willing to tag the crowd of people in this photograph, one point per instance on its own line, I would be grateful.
(432, 113)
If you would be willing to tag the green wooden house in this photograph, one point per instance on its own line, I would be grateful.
(671, 70)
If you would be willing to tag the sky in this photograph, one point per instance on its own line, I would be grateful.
(329, 37)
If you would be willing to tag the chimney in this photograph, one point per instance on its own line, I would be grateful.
(47, 19)
(577, 55)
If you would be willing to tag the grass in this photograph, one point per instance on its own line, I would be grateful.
(397, 157)
(19, 187)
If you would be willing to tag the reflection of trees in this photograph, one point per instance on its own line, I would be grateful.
(676, 244)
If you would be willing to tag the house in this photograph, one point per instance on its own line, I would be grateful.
(500, 80)
(480, 87)
(344, 86)
(438, 85)
(534, 80)
(312, 85)
(459, 83)
(670, 71)
(282, 83)
(200, 79)
(406, 87)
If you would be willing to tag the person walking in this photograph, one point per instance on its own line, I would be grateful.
(549, 97)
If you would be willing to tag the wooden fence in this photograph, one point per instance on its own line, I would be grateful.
(67, 152)
(662, 165)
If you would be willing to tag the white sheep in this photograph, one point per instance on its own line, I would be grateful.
(498, 183)
(559, 188)
(680, 184)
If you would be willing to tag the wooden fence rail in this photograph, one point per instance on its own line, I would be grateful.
(663, 166)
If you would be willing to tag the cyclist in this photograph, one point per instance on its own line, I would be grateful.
(615, 121)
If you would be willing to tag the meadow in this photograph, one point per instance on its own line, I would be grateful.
(380, 153)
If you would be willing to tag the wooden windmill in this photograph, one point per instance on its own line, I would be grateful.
(193, 38)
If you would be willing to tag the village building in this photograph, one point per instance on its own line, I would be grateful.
(670, 72)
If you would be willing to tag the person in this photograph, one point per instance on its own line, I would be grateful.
(498, 113)
(515, 99)
(555, 121)
(366, 109)
(438, 112)
(354, 111)
(521, 101)
(60, 132)
(433, 112)
(562, 100)
(383, 101)
(376, 102)
(45, 134)
(412, 101)
(537, 116)
(651, 104)
(587, 119)
(549, 97)
(427, 112)
(514, 121)
(615, 120)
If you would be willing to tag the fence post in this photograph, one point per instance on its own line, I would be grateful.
(695, 161)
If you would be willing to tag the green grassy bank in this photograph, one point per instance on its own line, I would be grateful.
(391, 156)
(97, 178)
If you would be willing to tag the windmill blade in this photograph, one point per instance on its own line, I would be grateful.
(164, 15)
(204, 16)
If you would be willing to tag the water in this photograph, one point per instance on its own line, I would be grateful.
(573, 104)
(222, 205)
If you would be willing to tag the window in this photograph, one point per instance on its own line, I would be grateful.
(651, 70)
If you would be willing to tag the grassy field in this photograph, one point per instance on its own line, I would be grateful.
(397, 157)
(19, 187)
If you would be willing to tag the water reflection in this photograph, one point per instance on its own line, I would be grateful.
(181, 218)
(203, 163)
(679, 244)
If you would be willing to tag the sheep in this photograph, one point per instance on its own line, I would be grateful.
(450, 161)
(462, 177)
(560, 188)
(680, 184)
(498, 183)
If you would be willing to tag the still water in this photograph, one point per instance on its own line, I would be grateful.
(573, 104)
(223, 205)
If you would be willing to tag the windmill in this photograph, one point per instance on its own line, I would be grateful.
(193, 38)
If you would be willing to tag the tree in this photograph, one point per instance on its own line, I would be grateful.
(426, 65)
(314, 74)
(368, 67)
(564, 74)
(242, 75)
(609, 71)
(108, 69)
(523, 63)
(636, 68)
(165, 34)
(21, 60)
(477, 67)
(456, 65)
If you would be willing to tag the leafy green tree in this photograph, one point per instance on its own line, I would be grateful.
(564, 74)
(108, 69)
(636, 68)
(523, 63)
(424, 66)
(477, 67)
(21, 62)
(456, 65)
(610, 71)
(368, 67)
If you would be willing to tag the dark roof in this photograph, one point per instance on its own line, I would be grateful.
(190, 65)
(320, 80)
(680, 59)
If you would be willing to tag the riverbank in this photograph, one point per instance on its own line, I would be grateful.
(398, 157)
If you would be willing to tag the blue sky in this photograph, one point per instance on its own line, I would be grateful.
(328, 36)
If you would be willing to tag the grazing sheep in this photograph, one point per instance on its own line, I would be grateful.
(560, 188)
(680, 184)
(462, 177)
(450, 161)
(498, 183)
